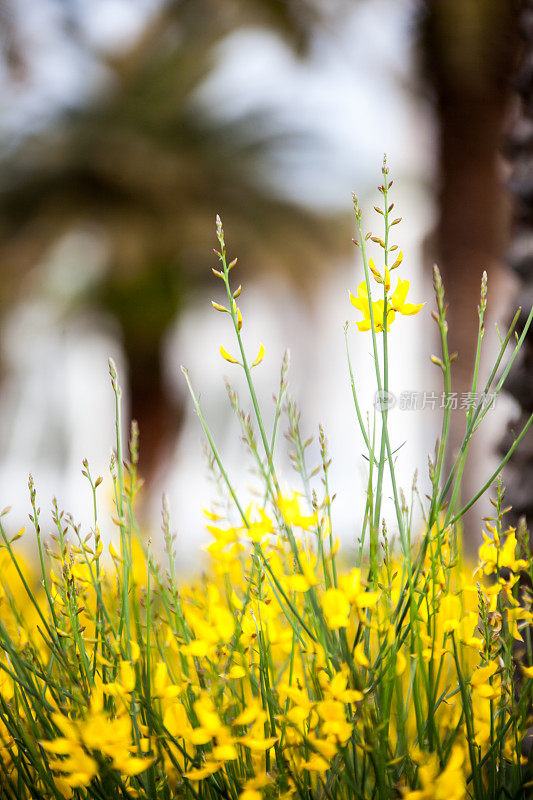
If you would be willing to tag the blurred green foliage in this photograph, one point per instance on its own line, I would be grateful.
(146, 169)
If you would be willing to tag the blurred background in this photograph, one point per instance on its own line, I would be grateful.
(126, 125)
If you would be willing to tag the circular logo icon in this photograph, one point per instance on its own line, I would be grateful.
(384, 400)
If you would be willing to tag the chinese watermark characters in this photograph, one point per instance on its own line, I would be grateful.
(411, 400)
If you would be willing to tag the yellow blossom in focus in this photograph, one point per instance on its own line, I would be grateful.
(397, 302)
(362, 303)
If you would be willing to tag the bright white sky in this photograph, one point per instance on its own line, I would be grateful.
(355, 92)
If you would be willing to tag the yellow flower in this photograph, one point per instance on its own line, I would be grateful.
(111, 737)
(355, 592)
(291, 508)
(210, 724)
(450, 612)
(326, 747)
(77, 768)
(395, 303)
(176, 721)
(513, 616)
(251, 788)
(256, 742)
(480, 681)
(333, 718)
(251, 713)
(493, 556)
(337, 687)
(227, 356)
(360, 655)
(225, 751)
(401, 663)
(162, 685)
(508, 551)
(236, 672)
(336, 608)
(362, 303)
(316, 763)
(250, 794)
(448, 785)
(259, 528)
(302, 581)
(203, 772)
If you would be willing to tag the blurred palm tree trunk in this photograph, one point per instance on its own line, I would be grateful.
(519, 472)
(468, 49)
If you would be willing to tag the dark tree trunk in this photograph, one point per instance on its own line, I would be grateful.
(160, 415)
(519, 472)
(468, 54)
(468, 59)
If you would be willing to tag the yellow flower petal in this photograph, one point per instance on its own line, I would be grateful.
(360, 655)
(482, 674)
(224, 353)
(410, 308)
(373, 269)
(399, 295)
(398, 260)
(260, 356)
(401, 663)
(114, 553)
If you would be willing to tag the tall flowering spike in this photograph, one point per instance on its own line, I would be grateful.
(380, 314)
(220, 229)
(483, 299)
(114, 376)
(356, 206)
(439, 291)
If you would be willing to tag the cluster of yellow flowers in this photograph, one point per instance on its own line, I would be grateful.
(283, 671)
(269, 674)
(395, 302)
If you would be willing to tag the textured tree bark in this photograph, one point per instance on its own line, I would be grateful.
(519, 473)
